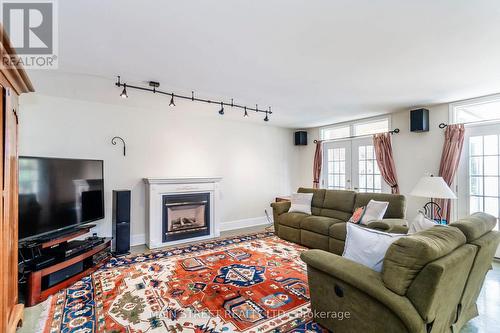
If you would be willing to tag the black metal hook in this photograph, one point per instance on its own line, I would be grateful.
(443, 125)
(113, 141)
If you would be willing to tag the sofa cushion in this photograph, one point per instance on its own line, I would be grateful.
(317, 200)
(338, 204)
(406, 257)
(397, 203)
(338, 231)
(292, 219)
(340, 200)
(367, 246)
(301, 203)
(318, 224)
(476, 225)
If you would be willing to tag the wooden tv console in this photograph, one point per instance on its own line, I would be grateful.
(36, 292)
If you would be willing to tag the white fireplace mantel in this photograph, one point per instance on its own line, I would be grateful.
(156, 188)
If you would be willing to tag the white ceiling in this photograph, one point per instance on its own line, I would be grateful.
(314, 62)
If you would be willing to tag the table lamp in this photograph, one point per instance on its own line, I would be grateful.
(433, 188)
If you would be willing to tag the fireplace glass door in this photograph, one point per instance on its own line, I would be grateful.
(186, 216)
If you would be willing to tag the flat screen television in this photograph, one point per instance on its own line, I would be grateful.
(57, 194)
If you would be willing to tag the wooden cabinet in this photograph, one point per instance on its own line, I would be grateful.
(13, 82)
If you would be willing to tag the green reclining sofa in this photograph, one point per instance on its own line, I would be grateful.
(326, 228)
(430, 281)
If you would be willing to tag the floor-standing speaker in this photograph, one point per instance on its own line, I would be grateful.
(121, 222)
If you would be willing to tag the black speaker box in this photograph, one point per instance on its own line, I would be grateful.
(301, 138)
(121, 222)
(419, 120)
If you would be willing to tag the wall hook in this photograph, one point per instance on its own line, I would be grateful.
(113, 141)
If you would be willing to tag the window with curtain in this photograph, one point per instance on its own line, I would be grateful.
(348, 155)
(478, 178)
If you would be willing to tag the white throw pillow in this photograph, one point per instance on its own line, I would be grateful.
(301, 203)
(420, 223)
(367, 246)
(375, 210)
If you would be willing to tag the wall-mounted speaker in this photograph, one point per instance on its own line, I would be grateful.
(301, 138)
(419, 120)
(121, 222)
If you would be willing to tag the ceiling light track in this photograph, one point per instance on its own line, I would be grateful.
(192, 98)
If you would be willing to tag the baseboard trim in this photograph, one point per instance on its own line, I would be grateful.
(139, 239)
(244, 223)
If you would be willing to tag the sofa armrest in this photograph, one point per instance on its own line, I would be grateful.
(366, 281)
(278, 209)
(389, 225)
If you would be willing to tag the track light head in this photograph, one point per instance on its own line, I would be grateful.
(246, 113)
(267, 118)
(124, 92)
(221, 112)
(171, 101)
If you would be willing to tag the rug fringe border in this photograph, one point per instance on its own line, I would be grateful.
(42, 321)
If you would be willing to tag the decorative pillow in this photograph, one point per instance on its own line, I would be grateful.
(301, 203)
(367, 246)
(420, 223)
(357, 215)
(375, 210)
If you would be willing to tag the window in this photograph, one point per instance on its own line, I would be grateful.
(373, 127)
(355, 128)
(477, 110)
(370, 179)
(331, 133)
(478, 178)
(336, 168)
(350, 162)
(483, 174)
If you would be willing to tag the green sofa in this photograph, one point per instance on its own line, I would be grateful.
(430, 281)
(325, 229)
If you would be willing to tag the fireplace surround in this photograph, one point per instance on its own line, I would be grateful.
(181, 210)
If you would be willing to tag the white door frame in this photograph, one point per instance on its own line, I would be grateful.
(462, 208)
(351, 163)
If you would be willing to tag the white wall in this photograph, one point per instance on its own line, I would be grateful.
(256, 160)
(415, 154)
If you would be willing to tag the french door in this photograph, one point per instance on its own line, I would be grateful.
(479, 173)
(351, 165)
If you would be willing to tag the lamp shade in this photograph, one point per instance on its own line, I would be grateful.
(433, 187)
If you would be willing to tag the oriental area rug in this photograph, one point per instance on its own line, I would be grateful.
(253, 283)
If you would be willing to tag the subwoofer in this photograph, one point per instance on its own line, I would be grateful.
(121, 222)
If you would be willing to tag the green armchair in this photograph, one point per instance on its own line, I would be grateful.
(429, 281)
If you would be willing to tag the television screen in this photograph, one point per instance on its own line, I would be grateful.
(56, 194)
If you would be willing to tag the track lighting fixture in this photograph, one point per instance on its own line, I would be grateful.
(154, 89)
(267, 114)
(124, 92)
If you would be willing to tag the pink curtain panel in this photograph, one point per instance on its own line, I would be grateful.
(318, 162)
(450, 159)
(385, 160)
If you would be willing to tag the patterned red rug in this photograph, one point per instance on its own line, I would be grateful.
(252, 283)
